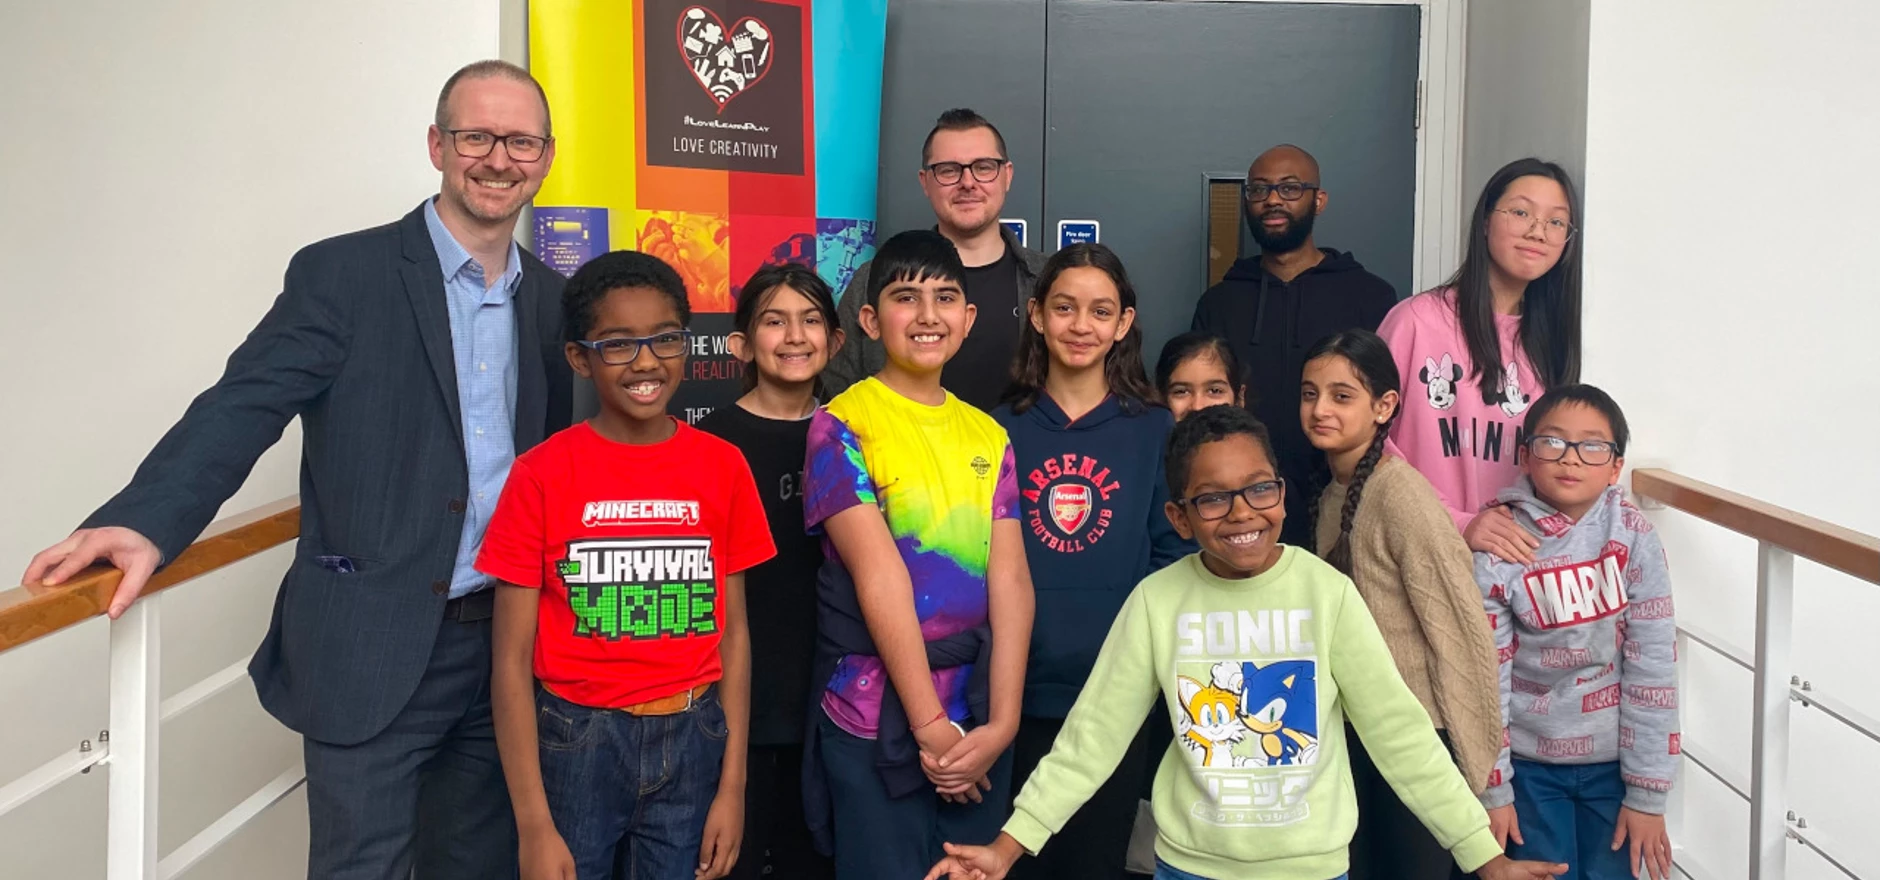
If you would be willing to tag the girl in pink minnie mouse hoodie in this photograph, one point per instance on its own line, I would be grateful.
(1476, 351)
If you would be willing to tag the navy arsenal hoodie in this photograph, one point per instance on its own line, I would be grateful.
(1090, 502)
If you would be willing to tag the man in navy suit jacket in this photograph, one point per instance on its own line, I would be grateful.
(420, 357)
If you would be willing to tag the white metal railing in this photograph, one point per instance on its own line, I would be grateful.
(128, 747)
(1775, 685)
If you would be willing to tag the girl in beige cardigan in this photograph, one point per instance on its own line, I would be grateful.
(1380, 522)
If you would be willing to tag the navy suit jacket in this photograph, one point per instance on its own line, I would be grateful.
(358, 346)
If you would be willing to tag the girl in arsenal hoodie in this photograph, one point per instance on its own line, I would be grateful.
(1087, 436)
(1477, 351)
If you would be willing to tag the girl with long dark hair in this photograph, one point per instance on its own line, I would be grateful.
(785, 330)
(1504, 329)
(1380, 523)
(1087, 435)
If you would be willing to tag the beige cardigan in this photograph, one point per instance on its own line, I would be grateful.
(1418, 578)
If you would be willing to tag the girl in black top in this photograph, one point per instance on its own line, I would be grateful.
(786, 330)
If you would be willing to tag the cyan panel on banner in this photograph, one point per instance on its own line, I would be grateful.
(847, 37)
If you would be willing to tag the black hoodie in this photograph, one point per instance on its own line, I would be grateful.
(1271, 324)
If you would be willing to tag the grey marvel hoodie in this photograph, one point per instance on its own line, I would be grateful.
(1588, 646)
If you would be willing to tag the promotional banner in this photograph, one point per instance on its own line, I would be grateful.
(717, 135)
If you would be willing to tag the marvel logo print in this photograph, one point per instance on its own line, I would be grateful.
(1579, 592)
(1565, 658)
(1526, 686)
(620, 513)
(1652, 697)
(1602, 673)
(1564, 747)
(1677, 745)
(1554, 524)
(1652, 609)
(1600, 700)
(1626, 737)
(1541, 704)
(1646, 782)
(1633, 520)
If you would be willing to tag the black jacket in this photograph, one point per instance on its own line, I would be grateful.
(358, 347)
(1271, 324)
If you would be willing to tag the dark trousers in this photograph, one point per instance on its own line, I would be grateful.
(777, 844)
(884, 838)
(1568, 813)
(1391, 843)
(1095, 842)
(424, 798)
(637, 787)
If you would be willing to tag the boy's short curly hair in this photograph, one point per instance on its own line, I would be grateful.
(613, 271)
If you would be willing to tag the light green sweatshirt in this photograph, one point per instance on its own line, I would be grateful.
(1258, 676)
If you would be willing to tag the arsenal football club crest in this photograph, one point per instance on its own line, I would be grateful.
(1070, 506)
(1068, 499)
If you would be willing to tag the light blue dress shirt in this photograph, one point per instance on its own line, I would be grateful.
(483, 344)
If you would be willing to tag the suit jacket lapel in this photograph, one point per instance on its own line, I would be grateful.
(531, 378)
(424, 286)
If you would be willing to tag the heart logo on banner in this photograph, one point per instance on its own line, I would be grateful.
(726, 62)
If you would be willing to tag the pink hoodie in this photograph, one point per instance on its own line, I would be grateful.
(1469, 450)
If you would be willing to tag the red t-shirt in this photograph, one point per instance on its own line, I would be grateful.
(631, 545)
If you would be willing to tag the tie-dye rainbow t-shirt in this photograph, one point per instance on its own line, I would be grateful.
(940, 475)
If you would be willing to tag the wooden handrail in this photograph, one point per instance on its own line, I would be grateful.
(1836, 547)
(32, 611)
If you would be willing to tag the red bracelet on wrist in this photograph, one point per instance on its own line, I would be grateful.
(937, 718)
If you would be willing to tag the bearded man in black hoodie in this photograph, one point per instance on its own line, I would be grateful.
(1272, 307)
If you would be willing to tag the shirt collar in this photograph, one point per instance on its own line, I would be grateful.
(454, 260)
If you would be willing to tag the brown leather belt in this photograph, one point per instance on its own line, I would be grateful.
(669, 705)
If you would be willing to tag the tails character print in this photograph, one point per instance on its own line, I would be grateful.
(1209, 724)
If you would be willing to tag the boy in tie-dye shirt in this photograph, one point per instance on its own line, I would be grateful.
(915, 493)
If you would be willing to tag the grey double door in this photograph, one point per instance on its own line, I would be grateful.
(1121, 111)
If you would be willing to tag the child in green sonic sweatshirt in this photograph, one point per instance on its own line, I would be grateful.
(1260, 652)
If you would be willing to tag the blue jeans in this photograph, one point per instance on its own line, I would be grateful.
(616, 780)
(1166, 871)
(1567, 813)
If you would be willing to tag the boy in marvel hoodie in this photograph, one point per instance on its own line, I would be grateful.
(1588, 655)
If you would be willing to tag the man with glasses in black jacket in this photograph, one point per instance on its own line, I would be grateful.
(965, 173)
(1272, 307)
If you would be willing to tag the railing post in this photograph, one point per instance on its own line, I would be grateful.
(136, 714)
(1769, 744)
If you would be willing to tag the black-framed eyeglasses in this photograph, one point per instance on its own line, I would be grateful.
(984, 170)
(1217, 505)
(472, 143)
(619, 350)
(1556, 230)
(1592, 452)
(1291, 190)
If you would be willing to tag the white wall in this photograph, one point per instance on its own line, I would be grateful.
(162, 162)
(1526, 88)
(1731, 309)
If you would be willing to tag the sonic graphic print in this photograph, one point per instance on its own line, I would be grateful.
(1250, 732)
